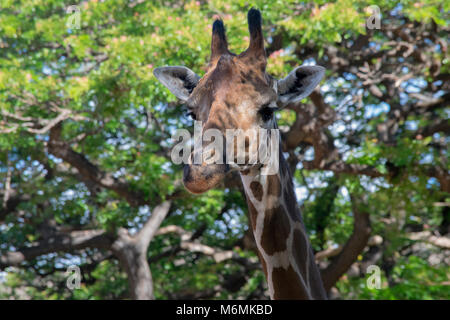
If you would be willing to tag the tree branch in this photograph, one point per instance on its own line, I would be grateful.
(63, 242)
(88, 170)
(354, 246)
(150, 228)
(427, 236)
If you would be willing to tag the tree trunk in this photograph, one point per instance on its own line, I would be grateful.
(133, 259)
(132, 253)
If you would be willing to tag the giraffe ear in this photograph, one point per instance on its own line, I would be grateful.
(299, 83)
(181, 81)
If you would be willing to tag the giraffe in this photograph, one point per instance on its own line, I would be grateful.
(237, 93)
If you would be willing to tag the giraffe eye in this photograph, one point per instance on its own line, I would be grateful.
(266, 112)
(192, 115)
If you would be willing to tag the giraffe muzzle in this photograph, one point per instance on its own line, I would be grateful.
(201, 178)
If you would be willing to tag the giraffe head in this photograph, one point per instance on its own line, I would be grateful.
(234, 93)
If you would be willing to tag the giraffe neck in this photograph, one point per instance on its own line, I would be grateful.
(283, 246)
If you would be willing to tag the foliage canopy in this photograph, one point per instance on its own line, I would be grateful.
(85, 138)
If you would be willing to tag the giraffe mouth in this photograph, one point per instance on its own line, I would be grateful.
(245, 167)
(201, 178)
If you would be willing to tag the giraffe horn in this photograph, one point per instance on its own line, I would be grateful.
(256, 47)
(219, 44)
(256, 36)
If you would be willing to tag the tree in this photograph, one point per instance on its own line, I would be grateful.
(85, 137)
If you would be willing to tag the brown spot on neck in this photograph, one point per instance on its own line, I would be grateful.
(253, 214)
(276, 230)
(257, 190)
(274, 185)
(287, 285)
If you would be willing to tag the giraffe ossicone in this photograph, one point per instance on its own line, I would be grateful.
(237, 94)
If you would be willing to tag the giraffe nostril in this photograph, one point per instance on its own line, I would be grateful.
(187, 173)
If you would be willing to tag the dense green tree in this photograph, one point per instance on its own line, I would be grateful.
(85, 137)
